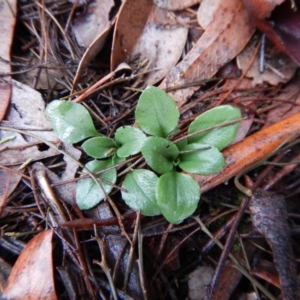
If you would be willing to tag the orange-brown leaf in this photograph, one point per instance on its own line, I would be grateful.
(32, 274)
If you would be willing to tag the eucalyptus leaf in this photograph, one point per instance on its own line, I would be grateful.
(99, 147)
(219, 137)
(177, 196)
(140, 192)
(156, 112)
(204, 162)
(71, 121)
(130, 140)
(88, 193)
(159, 154)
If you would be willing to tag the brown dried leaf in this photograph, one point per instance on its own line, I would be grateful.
(26, 111)
(154, 38)
(222, 41)
(8, 182)
(92, 22)
(278, 66)
(175, 4)
(32, 275)
(269, 217)
(91, 52)
(8, 10)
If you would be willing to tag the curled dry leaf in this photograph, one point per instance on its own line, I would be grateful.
(93, 21)
(8, 11)
(251, 150)
(154, 38)
(278, 66)
(175, 4)
(32, 275)
(90, 53)
(222, 41)
(269, 218)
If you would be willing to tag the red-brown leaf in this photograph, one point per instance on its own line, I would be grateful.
(32, 274)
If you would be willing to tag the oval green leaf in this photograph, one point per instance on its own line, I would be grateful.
(177, 196)
(130, 140)
(204, 162)
(156, 112)
(99, 147)
(140, 192)
(219, 137)
(88, 193)
(71, 121)
(159, 154)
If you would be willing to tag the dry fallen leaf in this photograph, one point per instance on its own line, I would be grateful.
(279, 68)
(32, 275)
(29, 116)
(222, 41)
(175, 4)
(93, 21)
(8, 11)
(154, 39)
(90, 53)
(9, 179)
(199, 279)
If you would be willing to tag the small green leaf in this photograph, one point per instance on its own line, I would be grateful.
(88, 193)
(140, 185)
(71, 121)
(177, 196)
(159, 154)
(99, 147)
(116, 159)
(130, 140)
(156, 112)
(219, 137)
(204, 162)
(181, 144)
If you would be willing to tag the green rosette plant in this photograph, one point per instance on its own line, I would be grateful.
(162, 188)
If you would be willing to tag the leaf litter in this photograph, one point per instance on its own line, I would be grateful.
(156, 41)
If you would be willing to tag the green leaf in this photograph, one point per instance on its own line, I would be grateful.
(99, 147)
(140, 185)
(181, 144)
(88, 193)
(177, 196)
(130, 140)
(204, 162)
(156, 112)
(219, 137)
(159, 154)
(71, 121)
